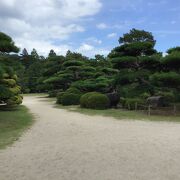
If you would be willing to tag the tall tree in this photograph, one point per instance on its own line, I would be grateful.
(136, 35)
(25, 52)
(135, 58)
(7, 44)
(172, 50)
(9, 90)
(34, 54)
(52, 53)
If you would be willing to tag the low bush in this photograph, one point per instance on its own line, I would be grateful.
(145, 95)
(94, 100)
(15, 100)
(71, 91)
(131, 103)
(84, 99)
(59, 97)
(70, 99)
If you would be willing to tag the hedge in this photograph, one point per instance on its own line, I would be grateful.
(70, 99)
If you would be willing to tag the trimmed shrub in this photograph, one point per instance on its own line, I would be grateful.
(167, 79)
(84, 99)
(70, 99)
(9, 82)
(73, 63)
(59, 97)
(71, 91)
(94, 100)
(145, 95)
(15, 100)
(130, 103)
(172, 61)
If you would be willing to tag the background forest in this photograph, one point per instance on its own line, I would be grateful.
(133, 71)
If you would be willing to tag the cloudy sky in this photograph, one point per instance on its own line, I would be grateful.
(87, 26)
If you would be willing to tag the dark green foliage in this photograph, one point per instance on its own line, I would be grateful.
(137, 49)
(7, 44)
(124, 62)
(152, 63)
(72, 63)
(70, 99)
(52, 53)
(172, 61)
(132, 103)
(9, 89)
(135, 90)
(136, 35)
(172, 50)
(73, 90)
(73, 93)
(114, 99)
(59, 97)
(142, 71)
(54, 93)
(94, 100)
(166, 79)
(84, 99)
(100, 84)
(135, 43)
(169, 97)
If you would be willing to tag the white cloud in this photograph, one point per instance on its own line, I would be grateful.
(43, 47)
(126, 24)
(90, 50)
(94, 40)
(102, 26)
(112, 35)
(85, 47)
(38, 23)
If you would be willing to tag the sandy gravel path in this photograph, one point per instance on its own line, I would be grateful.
(64, 145)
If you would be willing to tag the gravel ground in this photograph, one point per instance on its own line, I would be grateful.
(64, 145)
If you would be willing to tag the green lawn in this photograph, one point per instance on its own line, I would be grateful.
(13, 123)
(120, 114)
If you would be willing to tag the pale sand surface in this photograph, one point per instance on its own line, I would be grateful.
(63, 145)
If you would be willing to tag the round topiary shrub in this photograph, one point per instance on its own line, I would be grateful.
(84, 99)
(94, 100)
(70, 99)
(71, 91)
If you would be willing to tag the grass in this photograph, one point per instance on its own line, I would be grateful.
(12, 124)
(121, 114)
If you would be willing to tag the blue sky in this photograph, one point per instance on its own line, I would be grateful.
(88, 26)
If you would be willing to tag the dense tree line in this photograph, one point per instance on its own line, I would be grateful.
(135, 70)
